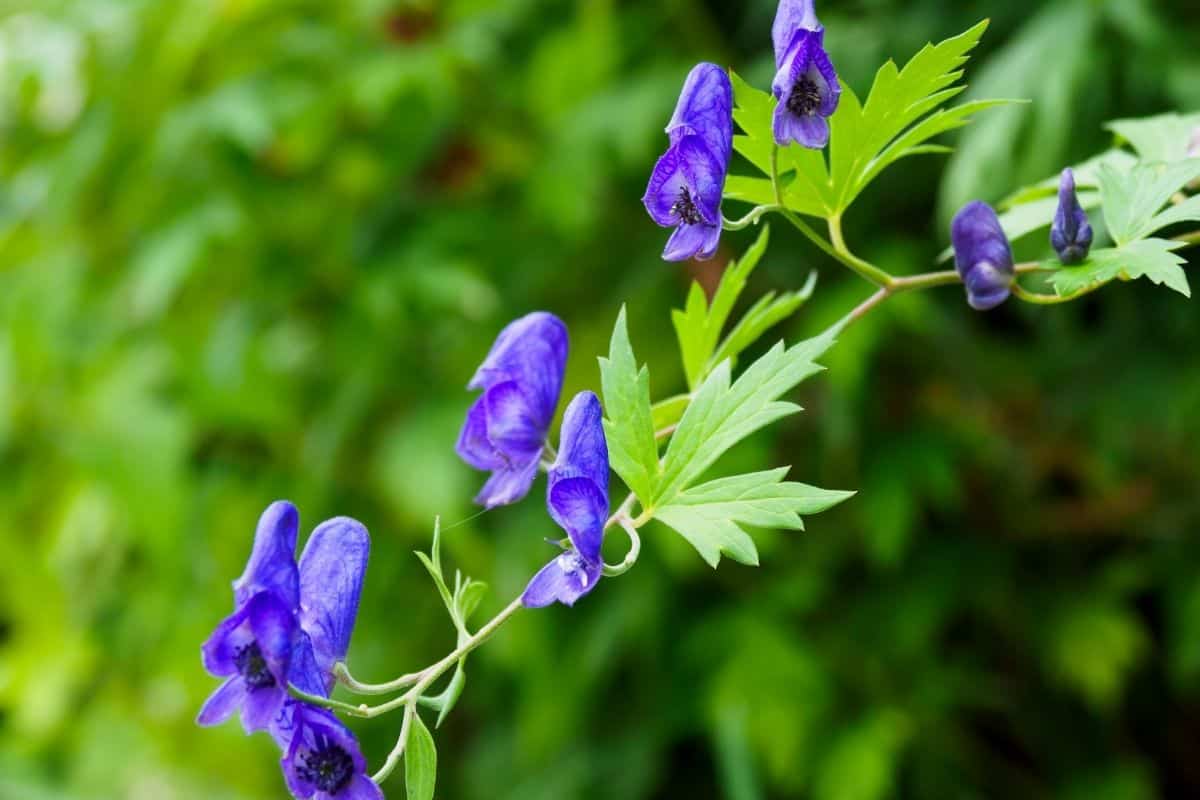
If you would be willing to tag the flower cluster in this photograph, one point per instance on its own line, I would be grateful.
(505, 432)
(688, 181)
(291, 624)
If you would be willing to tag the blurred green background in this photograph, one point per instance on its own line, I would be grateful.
(253, 249)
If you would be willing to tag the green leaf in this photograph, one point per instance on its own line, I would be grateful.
(902, 112)
(1154, 259)
(444, 703)
(467, 600)
(721, 414)
(762, 316)
(711, 516)
(668, 412)
(1163, 137)
(1132, 200)
(1087, 176)
(433, 565)
(628, 424)
(420, 762)
(699, 325)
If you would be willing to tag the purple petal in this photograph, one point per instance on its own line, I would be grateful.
(272, 564)
(261, 707)
(223, 702)
(229, 636)
(1071, 232)
(565, 579)
(582, 450)
(580, 508)
(809, 131)
(689, 167)
(510, 483)
(692, 241)
(314, 728)
(514, 426)
(532, 351)
(473, 445)
(361, 788)
(792, 16)
(705, 108)
(273, 625)
(304, 672)
(332, 570)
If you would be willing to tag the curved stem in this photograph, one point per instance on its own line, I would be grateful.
(864, 269)
(1051, 299)
(751, 218)
(393, 758)
(342, 673)
(635, 549)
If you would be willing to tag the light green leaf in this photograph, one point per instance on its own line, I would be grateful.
(762, 316)
(1160, 138)
(752, 113)
(902, 112)
(468, 599)
(699, 325)
(711, 516)
(1087, 176)
(722, 414)
(628, 424)
(668, 412)
(1146, 258)
(420, 762)
(1132, 200)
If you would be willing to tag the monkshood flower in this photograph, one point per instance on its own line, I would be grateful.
(806, 84)
(505, 430)
(1071, 233)
(253, 647)
(685, 187)
(982, 255)
(323, 760)
(577, 499)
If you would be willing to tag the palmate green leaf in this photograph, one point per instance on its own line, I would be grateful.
(420, 762)
(1162, 138)
(1154, 259)
(1133, 200)
(1087, 176)
(722, 413)
(711, 516)
(902, 113)
(628, 423)
(698, 326)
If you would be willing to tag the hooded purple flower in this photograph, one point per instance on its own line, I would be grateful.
(806, 84)
(252, 648)
(577, 500)
(1071, 233)
(323, 760)
(982, 255)
(685, 187)
(505, 430)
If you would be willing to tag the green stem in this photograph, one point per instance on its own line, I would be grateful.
(393, 758)
(864, 269)
(342, 673)
(1051, 299)
(751, 218)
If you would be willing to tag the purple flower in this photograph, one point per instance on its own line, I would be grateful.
(806, 88)
(505, 430)
(685, 187)
(290, 624)
(323, 760)
(253, 647)
(790, 17)
(1071, 233)
(982, 255)
(577, 500)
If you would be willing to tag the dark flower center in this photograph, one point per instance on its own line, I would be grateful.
(805, 97)
(253, 667)
(329, 768)
(685, 207)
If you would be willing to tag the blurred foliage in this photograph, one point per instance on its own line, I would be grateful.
(253, 249)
